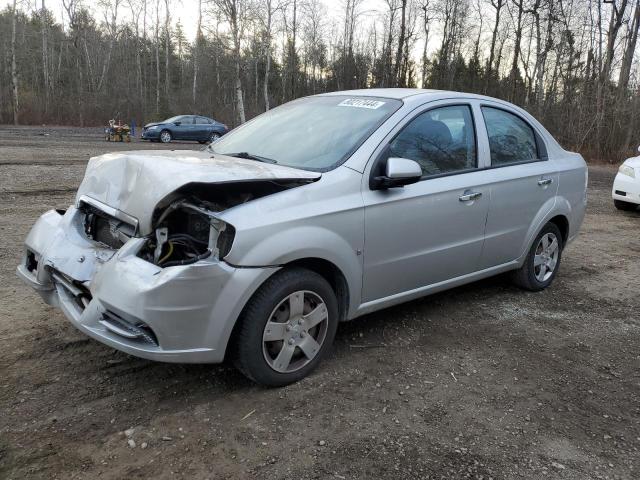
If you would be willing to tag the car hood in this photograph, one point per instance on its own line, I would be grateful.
(633, 162)
(135, 182)
(153, 124)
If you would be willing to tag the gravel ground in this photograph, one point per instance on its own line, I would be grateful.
(484, 381)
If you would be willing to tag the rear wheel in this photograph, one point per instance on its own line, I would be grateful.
(286, 328)
(165, 136)
(543, 260)
(626, 206)
(214, 136)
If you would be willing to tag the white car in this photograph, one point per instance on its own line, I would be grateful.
(626, 186)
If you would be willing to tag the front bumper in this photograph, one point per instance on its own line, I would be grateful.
(630, 187)
(185, 313)
(151, 134)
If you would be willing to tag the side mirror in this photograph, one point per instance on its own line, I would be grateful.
(398, 173)
(177, 124)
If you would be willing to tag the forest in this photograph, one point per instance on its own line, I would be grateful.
(572, 63)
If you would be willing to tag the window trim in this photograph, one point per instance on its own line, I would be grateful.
(541, 147)
(379, 159)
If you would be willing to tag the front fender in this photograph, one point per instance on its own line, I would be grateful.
(301, 242)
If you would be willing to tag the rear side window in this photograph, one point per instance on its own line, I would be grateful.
(511, 139)
(202, 121)
(441, 140)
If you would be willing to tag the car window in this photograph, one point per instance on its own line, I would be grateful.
(441, 140)
(313, 133)
(511, 139)
(202, 121)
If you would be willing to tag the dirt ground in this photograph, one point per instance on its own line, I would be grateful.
(484, 381)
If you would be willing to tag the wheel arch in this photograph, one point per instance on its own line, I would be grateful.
(556, 210)
(562, 222)
(332, 274)
(323, 267)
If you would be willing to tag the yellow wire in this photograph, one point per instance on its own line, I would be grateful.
(168, 254)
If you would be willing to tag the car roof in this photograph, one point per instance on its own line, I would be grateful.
(416, 93)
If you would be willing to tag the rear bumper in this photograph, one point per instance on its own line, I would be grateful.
(627, 185)
(179, 314)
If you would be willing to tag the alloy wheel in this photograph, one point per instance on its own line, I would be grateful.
(295, 331)
(165, 137)
(545, 258)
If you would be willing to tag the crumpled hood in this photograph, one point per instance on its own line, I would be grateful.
(134, 182)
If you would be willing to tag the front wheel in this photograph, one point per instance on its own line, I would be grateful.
(625, 206)
(543, 260)
(165, 136)
(286, 328)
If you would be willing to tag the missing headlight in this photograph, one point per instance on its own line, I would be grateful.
(185, 233)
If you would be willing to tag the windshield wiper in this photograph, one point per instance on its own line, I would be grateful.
(251, 156)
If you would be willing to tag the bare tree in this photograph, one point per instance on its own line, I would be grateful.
(14, 68)
(167, 50)
(157, 50)
(236, 13)
(497, 5)
(401, 40)
(196, 54)
(627, 59)
(45, 56)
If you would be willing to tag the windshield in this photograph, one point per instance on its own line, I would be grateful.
(313, 133)
(179, 118)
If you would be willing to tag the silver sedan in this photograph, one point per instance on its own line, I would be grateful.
(319, 211)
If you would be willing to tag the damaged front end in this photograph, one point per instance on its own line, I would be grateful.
(151, 280)
(187, 224)
(186, 232)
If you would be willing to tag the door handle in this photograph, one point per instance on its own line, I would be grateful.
(467, 197)
(545, 181)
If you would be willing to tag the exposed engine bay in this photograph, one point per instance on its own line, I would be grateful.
(187, 226)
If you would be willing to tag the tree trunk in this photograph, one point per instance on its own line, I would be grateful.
(267, 54)
(516, 51)
(196, 53)
(292, 53)
(426, 20)
(627, 59)
(403, 26)
(236, 59)
(166, 51)
(494, 36)
(14, 69)
(45, 57)
(157, 44)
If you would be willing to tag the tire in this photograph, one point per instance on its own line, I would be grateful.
(214, 136)
(538, 277)
(165, 136)
(278, 356)
(625, 206)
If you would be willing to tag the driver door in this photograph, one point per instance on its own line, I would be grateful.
(433, 230)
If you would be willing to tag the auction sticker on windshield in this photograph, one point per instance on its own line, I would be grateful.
(361, 103)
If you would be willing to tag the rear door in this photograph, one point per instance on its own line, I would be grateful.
(524, 183)
(433, 230)
(203, 128)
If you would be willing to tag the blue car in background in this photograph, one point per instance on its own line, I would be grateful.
(184, 127)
